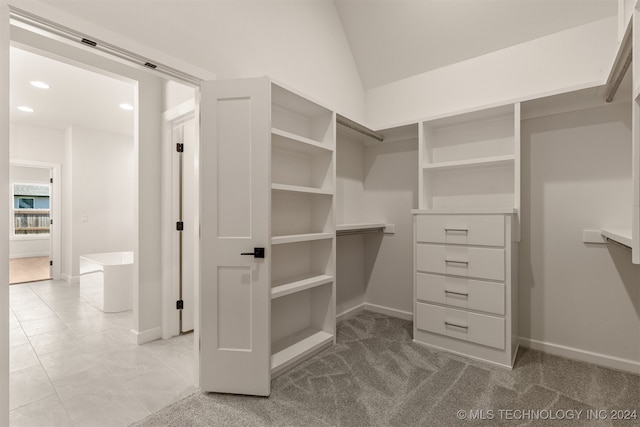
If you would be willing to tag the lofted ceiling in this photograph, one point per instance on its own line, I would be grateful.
(76, 97)
(394, 39)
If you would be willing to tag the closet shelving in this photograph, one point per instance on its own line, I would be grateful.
(471, 160)
(302, 227)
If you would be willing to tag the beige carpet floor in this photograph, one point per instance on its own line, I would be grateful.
(23, 270)
(376, 376)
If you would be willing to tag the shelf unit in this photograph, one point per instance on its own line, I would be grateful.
(471, 160)
(302, 228)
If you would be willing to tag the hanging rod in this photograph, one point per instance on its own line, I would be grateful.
(620, 65)
(342, 120)
(610, 240)
(31, 21)
(361, 231)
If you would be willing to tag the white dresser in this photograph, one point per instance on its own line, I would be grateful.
(465, 283)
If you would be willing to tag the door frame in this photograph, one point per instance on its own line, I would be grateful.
(170, 243)
(56, 211)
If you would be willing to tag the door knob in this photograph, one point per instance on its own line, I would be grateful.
(257, 253)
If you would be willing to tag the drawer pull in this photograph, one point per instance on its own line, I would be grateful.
(456, 293)
(456, 326)
(461, 230)
(451, 261)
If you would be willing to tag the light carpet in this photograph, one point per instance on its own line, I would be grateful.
(376, 376)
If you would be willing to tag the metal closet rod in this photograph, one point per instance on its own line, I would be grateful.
(342, 120)
(50, 27)
(609, 240)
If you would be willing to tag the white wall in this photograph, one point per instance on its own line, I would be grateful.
(300, 43)
(101, 182)
(350, 250)
(4, 212)
(36, 143)
(575, 58)
(576, 174)
(34, 245)
(376, 183)
(391, 191)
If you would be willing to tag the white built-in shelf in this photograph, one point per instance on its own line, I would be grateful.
(291, 141)
(295, 238)
(620, 235)
(295, 347)
(292, 285)
(300, 189)
(505, 160)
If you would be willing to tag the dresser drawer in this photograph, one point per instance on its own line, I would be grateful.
(461, 292)
(482, 263)
(473, 327)
(482, 230)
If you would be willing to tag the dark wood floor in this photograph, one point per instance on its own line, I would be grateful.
(22, 270)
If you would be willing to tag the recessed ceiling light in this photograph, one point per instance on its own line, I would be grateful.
(25, 109)
(126, 106)
(40, 85)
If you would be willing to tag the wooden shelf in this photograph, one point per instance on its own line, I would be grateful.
(295, 142)
(483, 162)
(31, 212)
(297, 346)
(301, 189)
(299, 283)
(620, 235)
(294, 238)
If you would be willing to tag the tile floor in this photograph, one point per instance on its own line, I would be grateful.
(73, 365)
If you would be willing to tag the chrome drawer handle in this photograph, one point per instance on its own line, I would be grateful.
(456, 326)
(456, 293)
(461, 230)
(450, 261)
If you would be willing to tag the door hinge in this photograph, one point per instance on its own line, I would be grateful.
(51, 180)
(179, 225)
(51, 222)
(179, 304)
(50, 262)
(180, 147)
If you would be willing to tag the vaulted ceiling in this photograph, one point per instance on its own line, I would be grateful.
(394, 39)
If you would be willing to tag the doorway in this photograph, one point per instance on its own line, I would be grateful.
(31, 238)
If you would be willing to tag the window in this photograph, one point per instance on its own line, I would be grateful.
(31, 209)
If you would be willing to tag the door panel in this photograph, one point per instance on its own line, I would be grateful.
(235, 187)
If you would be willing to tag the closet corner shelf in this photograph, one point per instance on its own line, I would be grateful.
(478, 162)
(292, 285)
(301, 139)
(294, 238)
(365, 227)
(293, 348)
(619, 235)
(300, 189)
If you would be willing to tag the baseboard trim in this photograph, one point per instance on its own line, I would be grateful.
(583, 355)
(392, 312)
(73, 280)
(148, 335)
(405, 315)
(354, 311)
(29, 255)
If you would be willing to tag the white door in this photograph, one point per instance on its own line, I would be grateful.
(235, 187)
